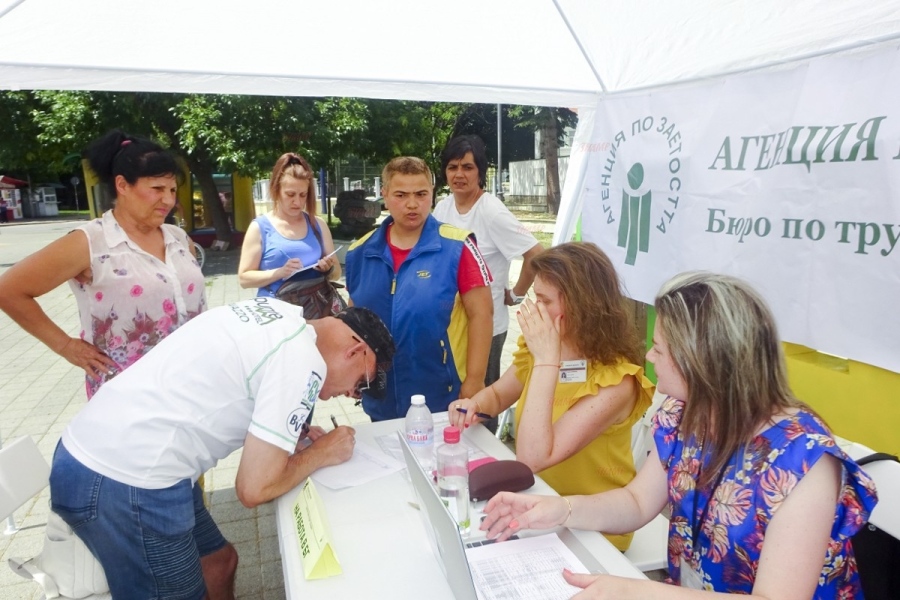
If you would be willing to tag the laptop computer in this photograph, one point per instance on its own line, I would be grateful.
(451, 550)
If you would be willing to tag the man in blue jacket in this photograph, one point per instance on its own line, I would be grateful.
(430, 285)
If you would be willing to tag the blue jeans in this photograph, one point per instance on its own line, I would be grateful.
(148, 541)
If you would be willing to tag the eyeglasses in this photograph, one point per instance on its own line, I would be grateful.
(365, 383)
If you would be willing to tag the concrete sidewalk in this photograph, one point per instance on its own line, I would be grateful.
(40, 393)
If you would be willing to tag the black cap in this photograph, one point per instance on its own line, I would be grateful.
(372, 330)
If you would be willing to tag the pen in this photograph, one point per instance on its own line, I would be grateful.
(478, 414)
(334, 421)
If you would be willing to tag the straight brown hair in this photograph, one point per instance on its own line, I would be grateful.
(293, 165)
(723, 340)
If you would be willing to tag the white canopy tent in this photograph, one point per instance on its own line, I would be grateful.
(624, 63)
(538, 52)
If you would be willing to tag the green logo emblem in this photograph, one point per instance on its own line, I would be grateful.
(634, 220)
(650, 187)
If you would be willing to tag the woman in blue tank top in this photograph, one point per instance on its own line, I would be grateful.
(290, 237)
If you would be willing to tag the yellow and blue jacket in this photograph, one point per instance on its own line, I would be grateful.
(421, 307)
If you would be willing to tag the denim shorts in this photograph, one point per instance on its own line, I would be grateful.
(148, 541)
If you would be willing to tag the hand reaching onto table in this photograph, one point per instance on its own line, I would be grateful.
(508, 513)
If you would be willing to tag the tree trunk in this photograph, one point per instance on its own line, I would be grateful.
(550, 150)
(212, 205)
(202, 167)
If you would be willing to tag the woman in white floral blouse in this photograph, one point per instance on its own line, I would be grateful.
(135, 279)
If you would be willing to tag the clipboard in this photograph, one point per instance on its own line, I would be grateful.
(308, 267)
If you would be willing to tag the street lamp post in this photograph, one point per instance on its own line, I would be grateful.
(75, 181)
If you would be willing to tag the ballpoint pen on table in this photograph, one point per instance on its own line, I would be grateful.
(480, 415)
(334, 421)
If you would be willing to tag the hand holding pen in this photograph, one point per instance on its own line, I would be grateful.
(464, 412)
(480, 415)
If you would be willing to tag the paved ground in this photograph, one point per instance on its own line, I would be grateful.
(40, 392)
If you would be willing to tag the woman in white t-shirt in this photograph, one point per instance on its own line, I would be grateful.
(500, 236)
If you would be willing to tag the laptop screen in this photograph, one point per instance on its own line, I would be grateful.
(441, 529)
(526, 568)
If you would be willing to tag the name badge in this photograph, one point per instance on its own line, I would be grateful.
(573, 371)
(690, 577)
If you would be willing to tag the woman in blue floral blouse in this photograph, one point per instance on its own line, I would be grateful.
(762, 500)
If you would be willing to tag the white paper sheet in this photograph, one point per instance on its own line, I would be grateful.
(367, 464)
(524, 569)
(391, 445)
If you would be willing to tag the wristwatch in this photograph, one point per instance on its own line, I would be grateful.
(515, 299)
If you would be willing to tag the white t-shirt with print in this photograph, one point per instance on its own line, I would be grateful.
(249, 366)
(501, 238)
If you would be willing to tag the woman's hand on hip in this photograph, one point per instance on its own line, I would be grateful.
(88, 357)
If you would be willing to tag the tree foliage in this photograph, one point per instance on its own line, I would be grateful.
(42, 131)
(407, 128)
(243, 134)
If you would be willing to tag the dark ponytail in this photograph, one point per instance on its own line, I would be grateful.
(118, 153)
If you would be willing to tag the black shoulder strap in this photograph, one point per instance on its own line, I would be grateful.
(314, 225)
(876, 457)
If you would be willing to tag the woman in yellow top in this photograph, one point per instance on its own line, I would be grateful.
(576, 377)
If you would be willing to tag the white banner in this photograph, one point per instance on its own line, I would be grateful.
(788, 179)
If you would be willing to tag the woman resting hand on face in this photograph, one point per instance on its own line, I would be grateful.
(576, 377)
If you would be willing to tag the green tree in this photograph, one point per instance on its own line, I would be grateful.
(213, 134)
(408, 128)
(22, 153)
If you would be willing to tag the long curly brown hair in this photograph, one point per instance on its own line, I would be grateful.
(597, 320)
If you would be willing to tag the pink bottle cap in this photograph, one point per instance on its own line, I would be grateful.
(451, 434)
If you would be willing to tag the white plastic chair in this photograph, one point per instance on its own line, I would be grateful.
(23, 474)
(641, 437)
(649, 546)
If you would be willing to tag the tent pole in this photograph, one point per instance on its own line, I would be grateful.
(498, 178)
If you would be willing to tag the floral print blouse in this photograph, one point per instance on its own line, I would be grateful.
(751, 488)
(133, 299)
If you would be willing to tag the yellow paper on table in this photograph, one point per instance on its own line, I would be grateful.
(313, 534)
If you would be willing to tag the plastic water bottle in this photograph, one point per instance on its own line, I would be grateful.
(420, 432)
(453, 477)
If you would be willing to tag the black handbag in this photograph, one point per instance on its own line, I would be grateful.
(318, 297)
(877, 553)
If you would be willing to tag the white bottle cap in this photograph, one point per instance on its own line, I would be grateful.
(418, 399)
